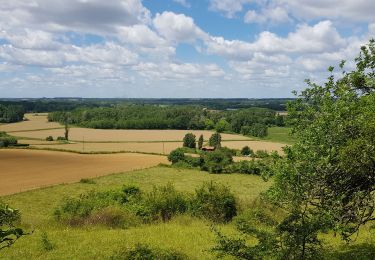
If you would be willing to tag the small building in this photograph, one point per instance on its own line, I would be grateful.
(208, 148)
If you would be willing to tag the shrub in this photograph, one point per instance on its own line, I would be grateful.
(49, 138)
(6, 140)
(114, 217)
(87, 181)
(214, 202)
(246, 150)
(262, 154)
(164, 202)
(189, 140)
(216, 161)
(245, 167)
(46, 243)
(144, 252)
(176, 155)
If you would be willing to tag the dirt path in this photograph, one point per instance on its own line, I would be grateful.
(22, 170)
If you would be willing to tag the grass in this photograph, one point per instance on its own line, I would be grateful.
(185, 234)
(280, 135)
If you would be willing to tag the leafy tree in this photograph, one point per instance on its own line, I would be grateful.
(326, 179)
(222, 125)
(8, 232)
(246, 150)
(200, 142)
(216, 161)
(176, 156)
(189, 140)
(215, 140)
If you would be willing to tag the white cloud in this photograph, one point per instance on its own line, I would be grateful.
(177, 27)
(274, 15)
(30, 39)
(228, 7)
(360, 10)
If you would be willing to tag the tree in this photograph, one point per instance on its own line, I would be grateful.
(66, 127)
(215, 140)
(246, 150)
(200, 142)
(222, 125)
(8, 232)
(189, 140)
(176, 156)
(326, 180)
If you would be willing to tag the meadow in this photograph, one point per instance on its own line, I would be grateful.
(188, 235)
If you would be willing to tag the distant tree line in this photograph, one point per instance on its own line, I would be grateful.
(11, 113)
(250, 121)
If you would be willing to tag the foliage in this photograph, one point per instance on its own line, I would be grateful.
(326, 180)
(216, 161)
(176, 156)
(145, 252)
(189, 140)
(87, 181)
(215, 202)
(222, 126)
(61, 138)
(7, 140)
(246, 150)
(11, 113)
(9, 233)
(215, 140)
(46, 242)
(49, 138)
(257, 130)
(200, 142)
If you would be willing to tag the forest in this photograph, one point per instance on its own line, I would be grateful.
(11, 113)
(250, 121)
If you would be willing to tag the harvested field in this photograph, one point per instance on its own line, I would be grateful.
(34, 122)
(29, 169)
(104, 135)
(115, 147)
(255, 145)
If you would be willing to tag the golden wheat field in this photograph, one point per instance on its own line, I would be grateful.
(255, 145)
(32, 122)
(29, 169)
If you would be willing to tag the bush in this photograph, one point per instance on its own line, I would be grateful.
(61, 138)
(176, 155)
(246, 150)
(165, 202)
(216, 161)
(7, 140)
(214, 202)
(262, 154)
(46, 242)
(246, 167)
(87, 181)
(144, 252)
(189, 140)
(49, 138)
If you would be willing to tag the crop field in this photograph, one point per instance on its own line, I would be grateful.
(28, 169)
(106, 135)
(33, 122)
(255, 145)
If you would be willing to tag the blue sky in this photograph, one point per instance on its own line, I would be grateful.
(175, 48)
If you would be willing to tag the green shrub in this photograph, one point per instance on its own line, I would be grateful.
(262, 154)
(49, 138)
(46, 243)
(144, 252)
(87, 181)
(176, 155)
(246, 167)
(164, 202)
(113, 217)
(6, 140)
(214, 202)
(61, 138)
(216, 161)
(246, 150)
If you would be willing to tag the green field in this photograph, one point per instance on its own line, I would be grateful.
(190, 236)
(280, 135)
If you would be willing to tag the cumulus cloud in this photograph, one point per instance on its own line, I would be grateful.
(177, 27)
(275, 15)
(184, 3)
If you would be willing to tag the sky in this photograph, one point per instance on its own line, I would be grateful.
(176, 48)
